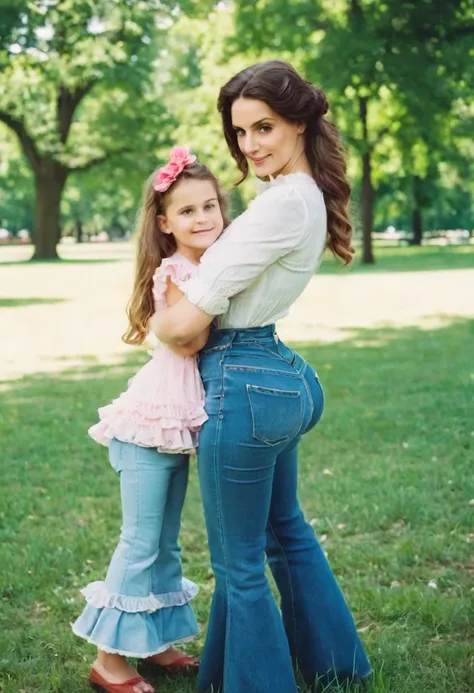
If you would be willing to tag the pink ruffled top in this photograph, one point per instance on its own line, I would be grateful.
(163, 406)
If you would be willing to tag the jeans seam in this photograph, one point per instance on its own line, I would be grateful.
(257, 369)
(130, 555)
(321, 388)
(287, 566)
(276, 354)
(211, 350)
(219, 514)
(293, 394)
(310, 399)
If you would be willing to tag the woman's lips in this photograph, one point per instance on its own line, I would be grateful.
(259, 161)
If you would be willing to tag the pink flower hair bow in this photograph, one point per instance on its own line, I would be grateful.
(179, 159)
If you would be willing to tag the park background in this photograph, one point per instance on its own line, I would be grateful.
(93, 93)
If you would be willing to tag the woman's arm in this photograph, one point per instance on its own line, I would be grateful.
(192, 343)
(182, 325)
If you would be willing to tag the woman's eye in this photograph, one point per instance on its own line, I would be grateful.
(210, 206)
(239, 133)
(186, 211)
(266, 128)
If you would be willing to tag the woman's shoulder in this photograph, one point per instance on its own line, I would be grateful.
(295, 196)
(293, 187)
(290, 182)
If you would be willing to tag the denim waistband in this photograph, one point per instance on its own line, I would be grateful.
(222, 337)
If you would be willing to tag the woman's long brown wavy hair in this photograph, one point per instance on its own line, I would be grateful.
(279, 85)
(153, 246)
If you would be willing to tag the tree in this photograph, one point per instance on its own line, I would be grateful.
(16, 188)
(340, 50)
(77, 80)
(440, 50)
(364, 53)
(198, 63)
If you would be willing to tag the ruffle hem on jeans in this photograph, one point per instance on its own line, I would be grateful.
(137, 626)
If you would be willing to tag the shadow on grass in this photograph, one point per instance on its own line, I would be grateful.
(32, 301)
(407, 259)
(385, 478)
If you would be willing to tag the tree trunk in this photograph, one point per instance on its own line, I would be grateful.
(417, 225)
(417, 219)
(79, 231)
(49, 184)
(367, 189)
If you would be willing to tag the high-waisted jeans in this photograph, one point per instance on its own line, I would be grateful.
(261, 397)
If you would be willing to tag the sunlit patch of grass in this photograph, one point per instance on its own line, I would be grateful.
(407, 259)
(384, 481)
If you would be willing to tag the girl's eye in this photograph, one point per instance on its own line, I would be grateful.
(239, 133)
(186, 211)
(266, 128)
(211, 205)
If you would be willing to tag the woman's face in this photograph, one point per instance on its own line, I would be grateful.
(272, 144)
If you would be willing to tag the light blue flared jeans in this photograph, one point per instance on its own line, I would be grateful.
(143, 607)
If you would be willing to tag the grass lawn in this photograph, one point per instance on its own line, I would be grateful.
(386, 480)
(408, 259)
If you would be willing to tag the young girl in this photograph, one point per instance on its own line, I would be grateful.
(142, 609)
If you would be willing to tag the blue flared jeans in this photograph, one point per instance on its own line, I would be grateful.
(261, 397)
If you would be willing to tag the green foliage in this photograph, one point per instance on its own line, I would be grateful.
(64, 51)
(79, 80)
(16, 186)
(410, 61)
(83, 81)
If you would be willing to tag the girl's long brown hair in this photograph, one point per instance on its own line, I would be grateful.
(279, 85)
(153, 246)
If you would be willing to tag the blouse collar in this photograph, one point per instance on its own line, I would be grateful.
(284, 179)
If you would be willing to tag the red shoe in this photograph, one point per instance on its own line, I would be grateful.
(99, 684)
(182, 663)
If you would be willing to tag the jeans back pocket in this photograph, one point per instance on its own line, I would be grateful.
(276, 414)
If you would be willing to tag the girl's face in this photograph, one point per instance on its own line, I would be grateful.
(193, 215)
(272, 144)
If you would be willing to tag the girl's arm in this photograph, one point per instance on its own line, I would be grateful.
(191, 346)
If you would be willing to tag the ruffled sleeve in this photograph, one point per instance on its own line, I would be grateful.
(171, 268)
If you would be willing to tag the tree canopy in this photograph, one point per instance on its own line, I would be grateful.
(93, 93)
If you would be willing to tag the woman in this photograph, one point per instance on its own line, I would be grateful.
(261, 396)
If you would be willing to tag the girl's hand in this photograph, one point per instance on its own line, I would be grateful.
(193, 347)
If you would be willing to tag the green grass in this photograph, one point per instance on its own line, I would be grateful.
(408, 259)
(20, 302)
(385, 476)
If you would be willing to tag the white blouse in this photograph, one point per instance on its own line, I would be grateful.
(263, 261)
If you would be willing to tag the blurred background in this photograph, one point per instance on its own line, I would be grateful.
(93, 93)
